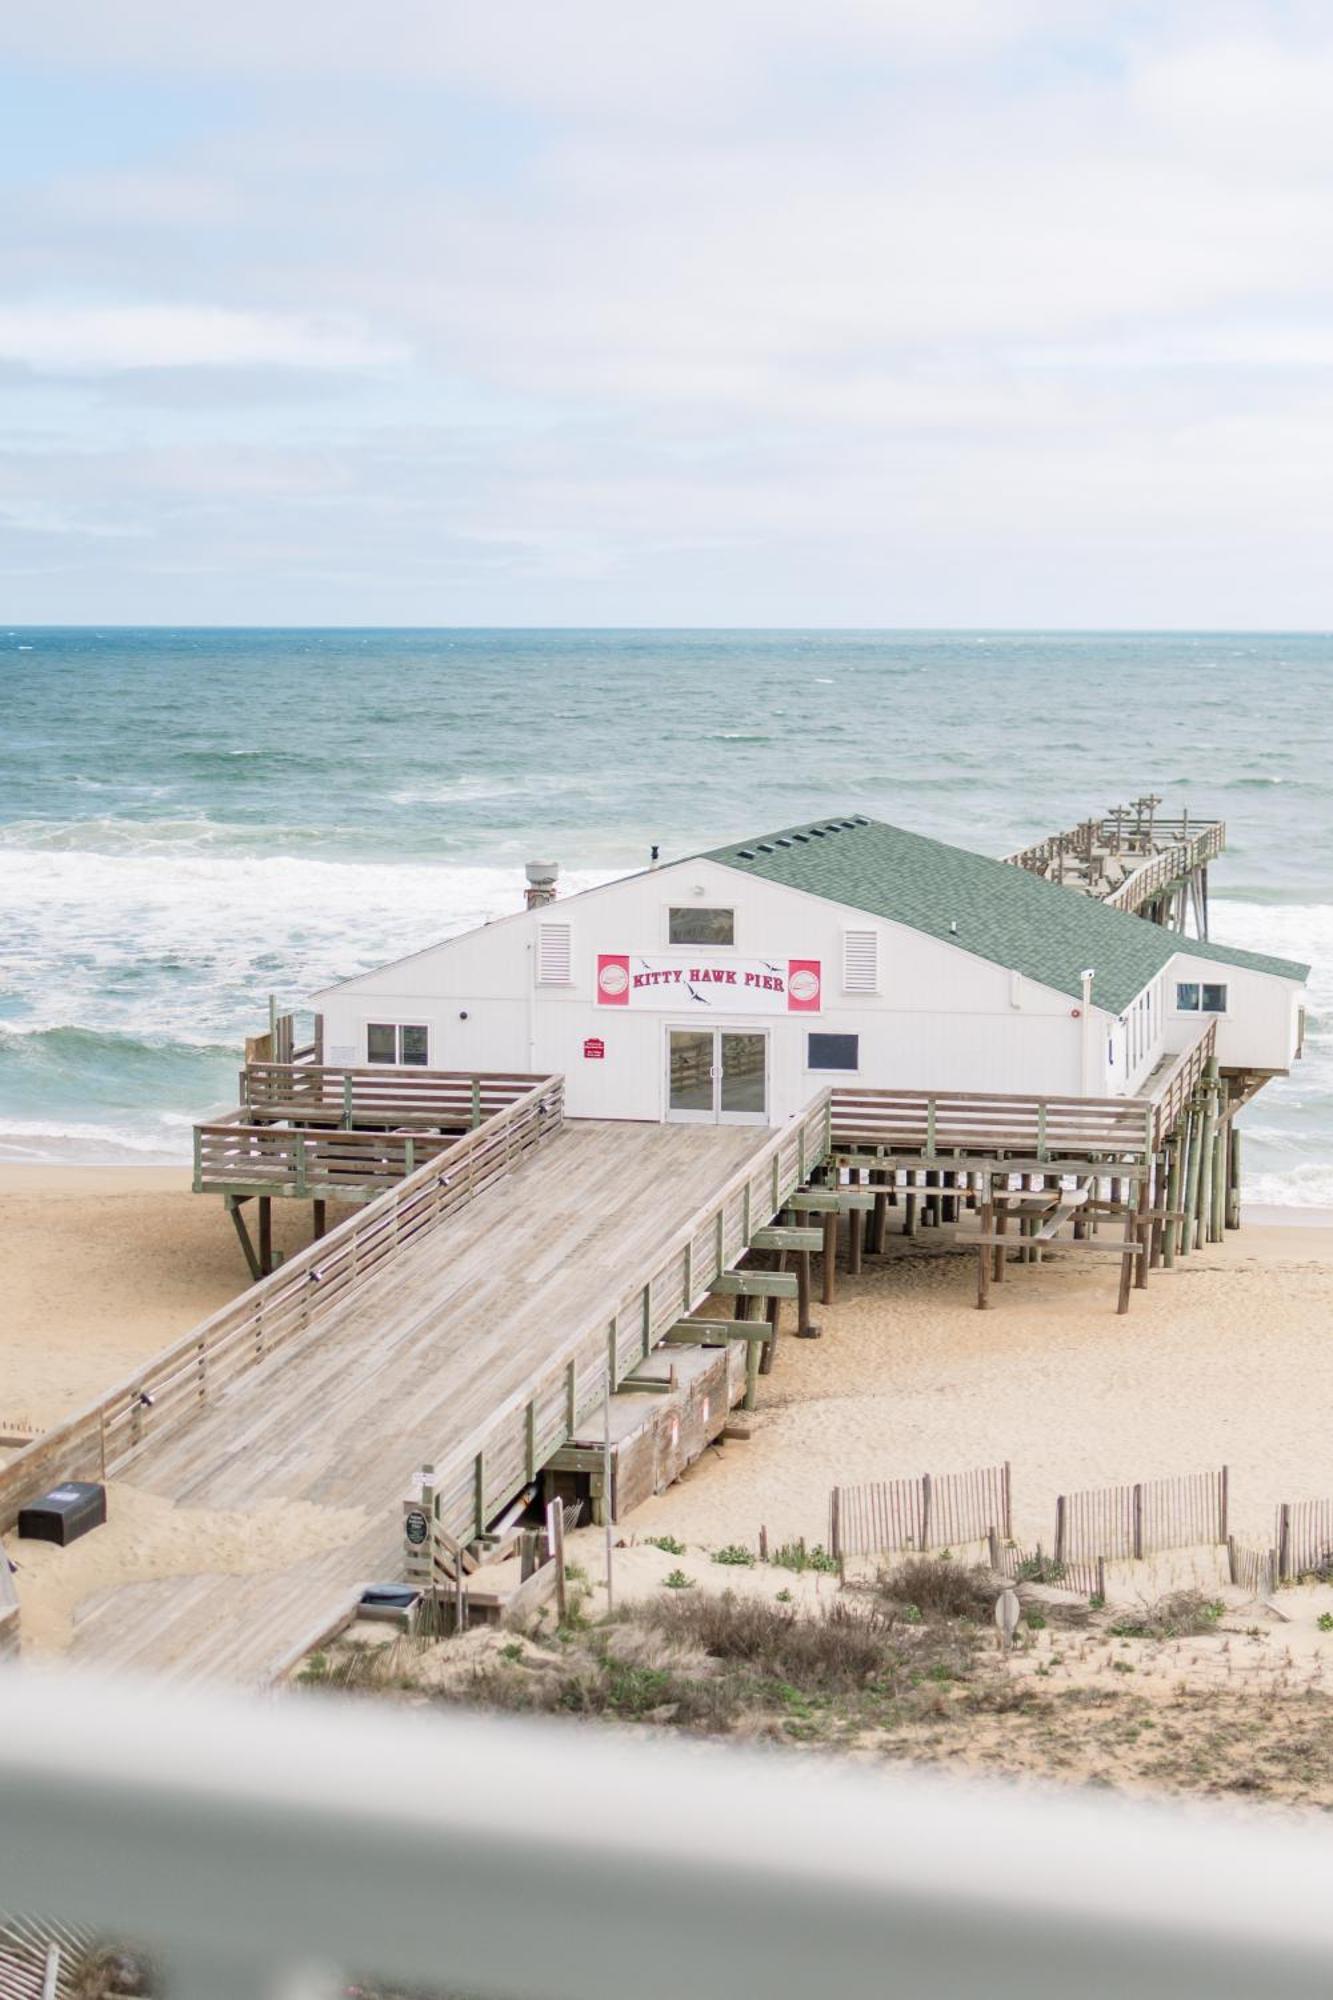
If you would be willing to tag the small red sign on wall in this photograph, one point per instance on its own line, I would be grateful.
(594, 1049)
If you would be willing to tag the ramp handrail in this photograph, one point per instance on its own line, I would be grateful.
(504, 1453)
(105, 1435)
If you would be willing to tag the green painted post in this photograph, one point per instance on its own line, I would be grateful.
(930, 1128)
(347, 1101)
(1172, 1199)
(1189, 1174)
(612, 1361)
(302, 1185)
(476, 1102)
(1221, 1148)
(198, 1161)
(1203, 1225)
(753, 1353)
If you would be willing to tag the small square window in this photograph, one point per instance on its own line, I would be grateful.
(1214, 999)
(413, 1045)
(381, 1043)
(1187, 998)
(691, 926)
(833, 1052)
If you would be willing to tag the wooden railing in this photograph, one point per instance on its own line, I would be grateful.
(505, 1453)
(105, 1436)
(1170, 849)
(233, 1157)
(378, 1094)
(1177, 1085)
(935, 1124)
(1169, 865)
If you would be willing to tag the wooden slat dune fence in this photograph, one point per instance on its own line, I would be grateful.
(1255, 1570)
(41, 1957)
(1304, 1538)
(934, 1511)
(1084, 1574)
(1140, 1520)
(105, 1436)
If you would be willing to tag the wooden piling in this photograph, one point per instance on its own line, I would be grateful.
(1221, 1158)
(1189, 1235)
(1203, 1220)
(1233, 1176)
(804, 1329)
(830, 1275)
(1172, 1229)
(1144, 1227)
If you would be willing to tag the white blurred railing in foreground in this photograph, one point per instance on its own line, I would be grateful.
(253, 1843)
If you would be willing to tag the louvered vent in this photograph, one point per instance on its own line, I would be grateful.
(554, 955)
(860, 962)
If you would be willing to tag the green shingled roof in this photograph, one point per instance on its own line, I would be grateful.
(991, 908)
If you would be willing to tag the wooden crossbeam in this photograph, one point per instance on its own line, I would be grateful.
(755, 1284)
(1121, 1249)
(715, 1333)
(786, 1236)
(831, 1201)
(701, 1332)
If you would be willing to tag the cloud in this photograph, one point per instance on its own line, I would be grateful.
(88, 339)
(736, 309)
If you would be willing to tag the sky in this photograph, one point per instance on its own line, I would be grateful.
(724, 312)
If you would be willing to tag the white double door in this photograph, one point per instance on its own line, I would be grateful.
(717, 1076)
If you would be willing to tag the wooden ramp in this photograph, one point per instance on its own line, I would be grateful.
(405, 1368)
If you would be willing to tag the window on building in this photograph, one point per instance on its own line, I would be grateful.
(1193, 997)
(391, 1042)
(413, 1044)
(833, 1052)
(697, 926)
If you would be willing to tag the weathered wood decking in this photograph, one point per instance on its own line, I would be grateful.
(415, 1364)
(1135, 861)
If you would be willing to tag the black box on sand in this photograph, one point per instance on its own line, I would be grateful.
(65, 1513)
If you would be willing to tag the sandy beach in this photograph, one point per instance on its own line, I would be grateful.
(103, 1267)
(1227, 1359)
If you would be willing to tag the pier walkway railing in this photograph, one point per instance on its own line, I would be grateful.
(937, 1125)
(104, 1437)
(280, 1850)
(1171, 865)
(596, 1356)
(1124, 860)
(314, 1131)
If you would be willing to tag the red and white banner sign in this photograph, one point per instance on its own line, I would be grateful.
(720, 985)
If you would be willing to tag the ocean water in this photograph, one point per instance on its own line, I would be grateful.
(191, 820)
